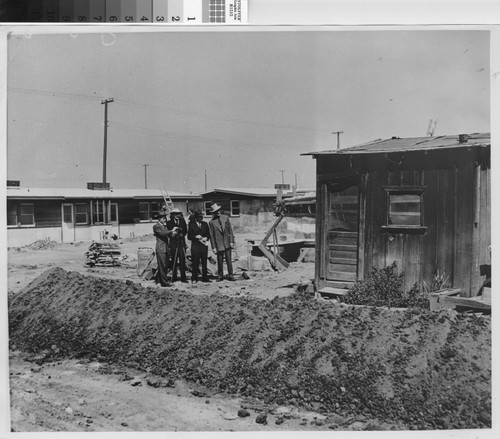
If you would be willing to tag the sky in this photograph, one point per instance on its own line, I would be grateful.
(241, 105)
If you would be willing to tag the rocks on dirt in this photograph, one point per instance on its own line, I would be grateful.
(242, 413)
(261, 418)
(287, 351)
(160, 382)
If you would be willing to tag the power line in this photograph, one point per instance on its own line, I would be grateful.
(61, 94)
(217, 118)
(163, 109)
(196, 139)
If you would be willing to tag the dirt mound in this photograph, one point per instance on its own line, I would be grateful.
(426, 370)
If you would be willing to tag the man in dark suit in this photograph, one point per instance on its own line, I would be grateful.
(162, 237)
(178, 244)
(199, 235)
(222, 240)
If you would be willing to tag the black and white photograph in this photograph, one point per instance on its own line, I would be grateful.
(249, 229)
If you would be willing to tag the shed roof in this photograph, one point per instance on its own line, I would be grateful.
(67, 193)
(253, 192)
(396, 144)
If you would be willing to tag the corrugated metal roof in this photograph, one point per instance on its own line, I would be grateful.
(396, 144)
(308, 198)
(66, 193)
(255, 192)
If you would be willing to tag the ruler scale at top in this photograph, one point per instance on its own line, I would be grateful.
(136, 11)
(160, 11)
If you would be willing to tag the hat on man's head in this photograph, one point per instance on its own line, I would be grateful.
(162, 213)
(197, 213)
(215, 207)
(175, 210)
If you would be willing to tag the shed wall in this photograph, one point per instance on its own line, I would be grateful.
(456, 216)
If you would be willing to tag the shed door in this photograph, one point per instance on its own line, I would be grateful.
(342, 233)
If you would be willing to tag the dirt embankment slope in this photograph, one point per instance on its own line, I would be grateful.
(427, 370)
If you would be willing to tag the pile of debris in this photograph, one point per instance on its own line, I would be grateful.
(103, 254)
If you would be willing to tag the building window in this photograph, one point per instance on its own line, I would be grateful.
(155, 209)
(405, 208)
(99, 212)
(235, 207)
(68, 213)
(144, 212)
(27, 214)
(207, 208)
(113, 215)
(11, 214)
(81, 213)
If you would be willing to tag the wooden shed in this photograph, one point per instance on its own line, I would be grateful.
(421, 202)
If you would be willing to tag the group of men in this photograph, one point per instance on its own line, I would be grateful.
(171, 245)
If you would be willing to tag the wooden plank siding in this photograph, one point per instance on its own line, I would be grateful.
(455, 233)
(428, 260)
(378, 219)
(445, 228)
(481, 229)
(464, 176)
(321, 230)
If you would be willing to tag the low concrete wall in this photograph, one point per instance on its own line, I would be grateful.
(27, 235)
(139, 229)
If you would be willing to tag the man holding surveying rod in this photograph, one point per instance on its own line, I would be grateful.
(177, 224)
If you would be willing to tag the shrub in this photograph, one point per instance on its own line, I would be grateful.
(385, 287)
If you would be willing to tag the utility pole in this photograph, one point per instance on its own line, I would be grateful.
(205, 179)
(282, 176)
(338, 133)
(146, 176)
(105, 151)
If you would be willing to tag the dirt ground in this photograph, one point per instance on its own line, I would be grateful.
(102, 350)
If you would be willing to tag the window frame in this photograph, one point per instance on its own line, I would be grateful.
(21, 214)
(231, 208)
(207, 206)
(96, 211)
(148, 204)
(15, 208)
(404, 228)
(77, 223)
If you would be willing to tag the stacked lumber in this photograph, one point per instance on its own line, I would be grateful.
(103, 254)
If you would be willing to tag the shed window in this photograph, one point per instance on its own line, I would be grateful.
(404, 210)
(27, 214)
(81, 213)
(235, 208)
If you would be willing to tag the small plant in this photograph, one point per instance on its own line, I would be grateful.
(385, 287)
(439, 282)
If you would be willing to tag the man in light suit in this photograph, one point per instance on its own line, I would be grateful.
(222, 239)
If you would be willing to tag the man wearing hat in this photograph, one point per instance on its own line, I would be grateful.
(222, 240)
(178, 243)
(199, 235)
(162, 237)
